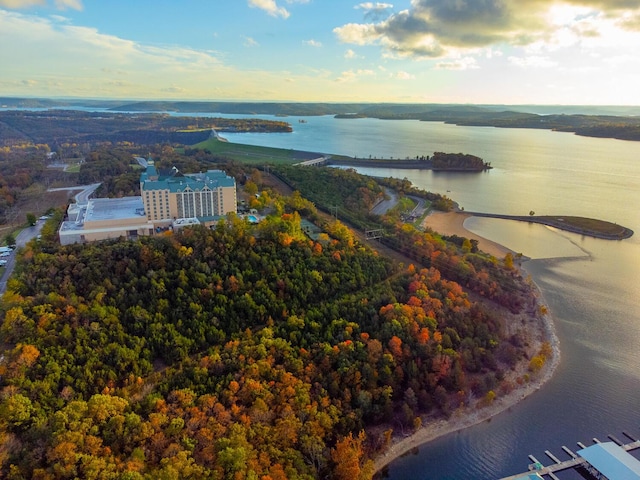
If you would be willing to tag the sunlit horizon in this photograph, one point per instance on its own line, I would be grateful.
(569, 52)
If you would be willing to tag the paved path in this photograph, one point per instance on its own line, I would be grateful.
(385, 205)
(21, 240)
(81, 197)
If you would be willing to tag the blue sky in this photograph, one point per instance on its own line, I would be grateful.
(442, 51)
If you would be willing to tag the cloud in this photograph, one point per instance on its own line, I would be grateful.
(270, 7)
(51, 57)
(533, 61)
(374, 11)
(352, 75)
(312, 43)
(64, 4)
(374, 6)
(349, 54)
(60, 4)
(440, 28)
(405, 76)
(174, 89)
(466, 63)
(250, 42)
(76, 59)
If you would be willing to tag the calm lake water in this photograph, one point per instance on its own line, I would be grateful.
(591, 286)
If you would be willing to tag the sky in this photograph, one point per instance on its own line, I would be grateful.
(560, 52)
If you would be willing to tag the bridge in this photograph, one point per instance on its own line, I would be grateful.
(313, 162)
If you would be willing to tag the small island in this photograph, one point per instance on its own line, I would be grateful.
(438, 162)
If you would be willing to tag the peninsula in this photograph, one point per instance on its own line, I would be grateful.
(590, 227)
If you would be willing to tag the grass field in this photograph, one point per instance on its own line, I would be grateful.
(73, 168)
(589, 224)
(253, 154)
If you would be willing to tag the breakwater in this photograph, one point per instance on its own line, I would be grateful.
(412, 164)
(580, 225)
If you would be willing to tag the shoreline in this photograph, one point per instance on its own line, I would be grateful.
(540, 328)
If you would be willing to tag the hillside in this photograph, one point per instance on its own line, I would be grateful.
(243, 351)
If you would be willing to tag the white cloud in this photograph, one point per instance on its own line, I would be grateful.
(442, 28)
(374, 6)
(271, 7)
(405, 76)
(312, 43)
(174, 89)
(60, 4)
(357, 34)
(350, 54)
(50, 57)
(533, 61)
(250, 42)
(352, 75)
(64, 4)
(374, 11)
(465, 63)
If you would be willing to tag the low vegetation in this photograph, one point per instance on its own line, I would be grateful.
(251, 154)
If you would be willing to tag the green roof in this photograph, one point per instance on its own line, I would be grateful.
(175, 182)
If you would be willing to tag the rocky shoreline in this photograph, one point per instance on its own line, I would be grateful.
(536, 325)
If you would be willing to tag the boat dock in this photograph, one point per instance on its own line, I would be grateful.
(576, 460)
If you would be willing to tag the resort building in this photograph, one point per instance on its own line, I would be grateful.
(105, 218)
(169, 200)
(170, 195)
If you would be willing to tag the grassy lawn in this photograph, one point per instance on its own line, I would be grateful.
(591, 224)
(73, 168)
(427, 211)
(249, 153)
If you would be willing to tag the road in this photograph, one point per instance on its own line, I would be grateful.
(21, 240)
(142, 162)
(81, 197)
(31, 232)
(385, 205)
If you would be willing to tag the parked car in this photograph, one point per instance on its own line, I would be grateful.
(3, 263)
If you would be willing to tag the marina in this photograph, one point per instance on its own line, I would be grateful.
(599, 459)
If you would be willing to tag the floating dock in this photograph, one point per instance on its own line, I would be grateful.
(575, 461)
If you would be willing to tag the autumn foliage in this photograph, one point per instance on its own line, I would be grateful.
(240, 352)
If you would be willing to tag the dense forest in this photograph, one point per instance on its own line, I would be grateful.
(56, 127)
(239, 352)
(351, 196)
(458, 161)
(246, 351)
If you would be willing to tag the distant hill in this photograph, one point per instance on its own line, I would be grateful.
(622, 122)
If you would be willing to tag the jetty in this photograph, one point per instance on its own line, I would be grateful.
(589, 227)
(602, 460)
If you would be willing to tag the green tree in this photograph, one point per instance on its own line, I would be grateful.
(31, 219)
(10, 239)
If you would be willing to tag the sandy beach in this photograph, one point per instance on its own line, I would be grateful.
(539, 328)
(452, 223)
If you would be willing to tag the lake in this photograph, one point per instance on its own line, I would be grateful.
(591, 286)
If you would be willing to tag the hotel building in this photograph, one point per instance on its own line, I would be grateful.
(169, 200)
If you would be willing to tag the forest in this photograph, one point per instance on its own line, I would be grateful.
(246, 351)
(55, 127)
(458, 161)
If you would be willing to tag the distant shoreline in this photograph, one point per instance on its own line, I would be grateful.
(539, 328)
